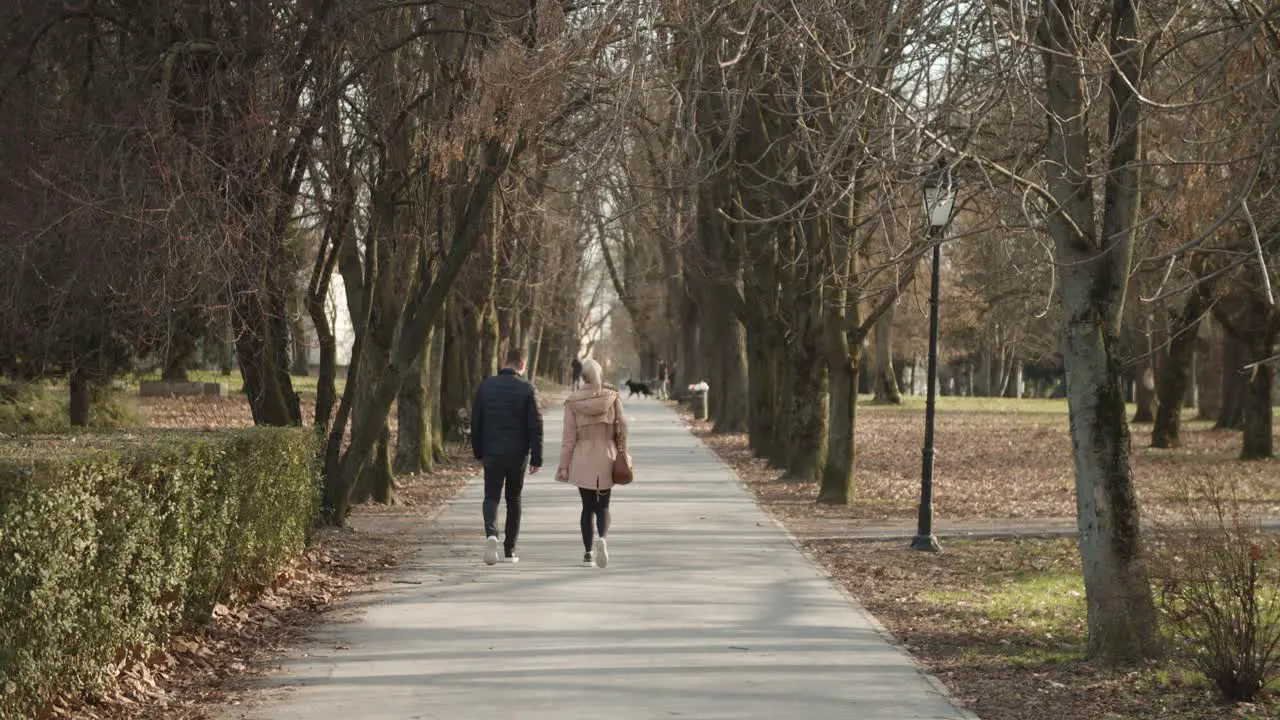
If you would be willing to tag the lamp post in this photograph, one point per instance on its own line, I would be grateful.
(939, 201)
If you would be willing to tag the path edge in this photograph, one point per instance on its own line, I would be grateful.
(253, 687)
(856, 605)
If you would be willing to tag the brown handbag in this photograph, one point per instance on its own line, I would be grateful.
(622, 471)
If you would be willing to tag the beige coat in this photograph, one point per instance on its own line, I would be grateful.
(588, 448)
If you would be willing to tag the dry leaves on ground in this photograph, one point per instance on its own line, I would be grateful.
(997, 465)
(204, 412)
(1001, 622)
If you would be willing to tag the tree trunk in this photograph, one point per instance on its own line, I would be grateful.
(182, 346)
(264, 363)
(1014, 386)
(886, 380)
(378, 279)
(175, 370)
(1175, 373)
(490, 361)
(1209, 373)
(1235, 383)
(842, 369)
(384, 485)
(504, 329)
(1144, 393)
(764, 346)
(784, 393)
(1259, 442)
(326, 379)
(983, 387)
(301, 358)
(456, 387)
(1096, 263)
(1192, 397)
(377, 482)
(413, 420)
(762, 379)
(426, 299)
(807, 416)
(724, 243)
(710, 356)
(998, 380)
(535, 355)
(687, 370)
(374, 481)
(734, 381)
(219, 342)
(1120, 610)
(392, 252)
(435, 395)
(81, 396)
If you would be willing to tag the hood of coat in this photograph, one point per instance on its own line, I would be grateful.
(589, 404)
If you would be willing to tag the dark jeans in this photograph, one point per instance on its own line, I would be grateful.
(595, 504)
(508, 471)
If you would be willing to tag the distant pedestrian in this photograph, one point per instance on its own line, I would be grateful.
(595, 431)
(506, 430)
(662, 379)
(577, 373)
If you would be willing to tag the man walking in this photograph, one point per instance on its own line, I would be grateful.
(506, 429)
(576, 366)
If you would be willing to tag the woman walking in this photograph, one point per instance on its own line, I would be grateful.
(595, 431)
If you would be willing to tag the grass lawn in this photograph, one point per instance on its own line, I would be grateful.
(43, 407)
(1022, 406)
(304, 385)
(1002, 624)
(128, 410)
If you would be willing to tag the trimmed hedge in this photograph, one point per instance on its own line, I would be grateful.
(104, 552)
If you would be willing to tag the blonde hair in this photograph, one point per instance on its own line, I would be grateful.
(591, 373)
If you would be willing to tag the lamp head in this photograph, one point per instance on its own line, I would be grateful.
(939, 188)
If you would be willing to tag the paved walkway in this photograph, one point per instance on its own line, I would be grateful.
(707, 611)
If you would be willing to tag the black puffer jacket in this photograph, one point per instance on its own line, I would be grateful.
(506, 419)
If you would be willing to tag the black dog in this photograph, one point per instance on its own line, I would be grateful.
(638, 387)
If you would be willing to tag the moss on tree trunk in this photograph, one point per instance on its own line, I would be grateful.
(807, 421)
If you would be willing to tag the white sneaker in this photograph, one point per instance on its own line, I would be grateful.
(587, 560)
(491, 546)
(511, 559)
(601, 553)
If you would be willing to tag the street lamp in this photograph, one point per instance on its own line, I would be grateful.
(939, 202)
